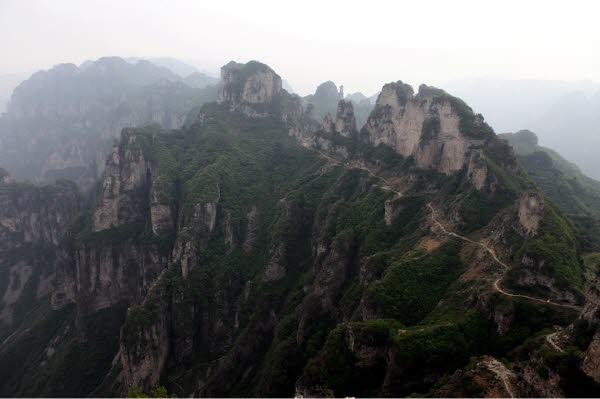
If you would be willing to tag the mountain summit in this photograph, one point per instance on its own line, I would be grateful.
(258, 251)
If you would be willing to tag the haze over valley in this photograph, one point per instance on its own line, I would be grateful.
(309, 200)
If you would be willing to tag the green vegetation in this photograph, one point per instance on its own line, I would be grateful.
(577, 195)
(411, 288)
(158, 391)
(352, 307)
(555, 250)
(69, 364)
(429, 351)
(591, 263)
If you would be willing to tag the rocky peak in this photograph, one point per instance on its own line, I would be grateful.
(126, 172)
(356, 97)
(328, 90)
(438, 130)
(325, 100)
(244, 86)
(345, 122)
(255, 90)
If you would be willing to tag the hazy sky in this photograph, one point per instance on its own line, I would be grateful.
(361, 44)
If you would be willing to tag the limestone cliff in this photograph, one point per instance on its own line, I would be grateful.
(34, 222)
(107, 270)
(345, 122)
(251, 253)
(245, 87)
(438, 130)
(255, 90)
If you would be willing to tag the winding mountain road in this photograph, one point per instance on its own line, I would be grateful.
(388, 187)
(497, 286)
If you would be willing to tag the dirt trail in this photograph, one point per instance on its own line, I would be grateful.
(386, 187)
(497, 286)
(550, 337)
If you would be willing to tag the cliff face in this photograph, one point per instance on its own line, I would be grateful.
(248, 84)
(345, 122)
(60, 123)
(124, 186)
(114, 262)
(255, 90)
(252, 253)
(33, 224)
(436, 129)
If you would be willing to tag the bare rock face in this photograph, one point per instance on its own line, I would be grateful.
(245, 87)
(33, 220)
(489, 377)
(591, 359)
(126, 172)
(19, 275)
(435, 128)
(31, 215)
(195, 234)
(275, 269)
(251, 229)
(104, 271)
(345, 122)
(531, 212)
(255, 90)
(161, 215)
(328, 124)
(477, 170)
(135, 363)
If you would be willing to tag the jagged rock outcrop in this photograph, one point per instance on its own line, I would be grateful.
(531, 212)
(488, 378)
(247, 87)
(134, 364)
(255, 90)
(435, 128)
(236, 262)
(113, 264)
(33, 224)
(344, 124)
(478, 173)
(126, 178)
(31, 215)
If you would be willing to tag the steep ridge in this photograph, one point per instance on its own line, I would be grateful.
(255, 252)
(34, 223)
(60, 123)
(576, 194)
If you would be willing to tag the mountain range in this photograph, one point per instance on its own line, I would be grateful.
(266, 244)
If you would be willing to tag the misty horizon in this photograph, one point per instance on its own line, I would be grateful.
(314, 42)
(308, 199)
